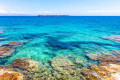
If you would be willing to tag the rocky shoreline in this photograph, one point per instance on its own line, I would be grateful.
(62, 68)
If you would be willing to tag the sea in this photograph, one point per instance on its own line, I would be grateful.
(49, 37)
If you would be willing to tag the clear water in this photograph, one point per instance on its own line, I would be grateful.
(49, 37)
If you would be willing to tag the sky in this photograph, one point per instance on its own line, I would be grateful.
(67, 7)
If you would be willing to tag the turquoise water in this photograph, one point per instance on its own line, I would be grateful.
(48, 37)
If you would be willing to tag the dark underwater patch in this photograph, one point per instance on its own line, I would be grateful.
(55, 43)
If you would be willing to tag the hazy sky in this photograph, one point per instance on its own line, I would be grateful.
(71, 7)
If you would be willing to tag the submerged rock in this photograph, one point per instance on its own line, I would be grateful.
(107, 69)
(67, 65)
(67, 68)
(113, 37)
(108, 58)
(95, 54)
(31, 71)
(6, 51)
(26, 63)
(61, 63)
(15, 43)
(102, 72)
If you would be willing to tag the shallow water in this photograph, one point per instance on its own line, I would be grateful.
(48, 37)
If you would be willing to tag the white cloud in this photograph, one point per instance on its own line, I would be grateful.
(11, 12)
(45, 12)
(16, 12)
(104, 11)
(3, 11)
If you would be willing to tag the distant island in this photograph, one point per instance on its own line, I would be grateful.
(53, 15)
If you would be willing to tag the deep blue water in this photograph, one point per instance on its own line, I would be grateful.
(49, 37)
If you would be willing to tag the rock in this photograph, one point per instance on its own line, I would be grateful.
(117, 53)
(5, 67)
(107, 69)
(15, 43)
(91, 75)
(108, 58)
(57, 62)
(26, 63)
(110, 67)
(115, 76)
(81, 63)
(63, 64)
(67, 66)
(67, 70)
(61, 61)
(98, 73)
(113, 37)
(7, 73)
(92, 55)
(6, 51)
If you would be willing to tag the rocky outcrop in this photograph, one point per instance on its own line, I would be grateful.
(6, 73)
(107, 69)
(26, 63)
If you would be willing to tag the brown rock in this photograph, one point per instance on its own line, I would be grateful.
(91, 75)
(26, 63)
(107, 69)
(7, 74)
(6, 51)
(5, 66)
(15, 43)
(108, 58)
(110, 67)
